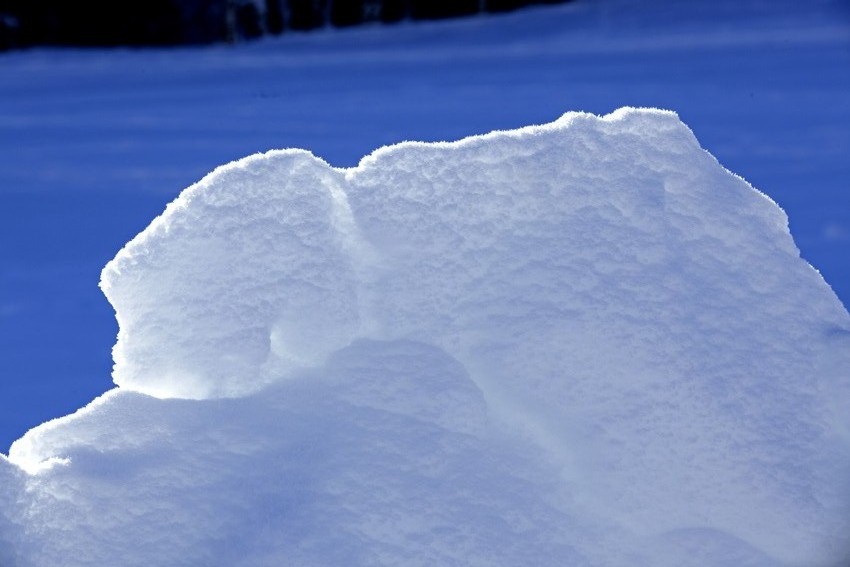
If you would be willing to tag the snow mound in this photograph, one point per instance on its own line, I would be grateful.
(582, 343)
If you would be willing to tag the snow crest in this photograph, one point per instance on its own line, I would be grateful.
(582, 343)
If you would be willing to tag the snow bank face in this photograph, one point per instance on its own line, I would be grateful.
(377, 458)
(582, 343)
(248, 267)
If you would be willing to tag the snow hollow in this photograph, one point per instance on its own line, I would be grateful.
(583, 343)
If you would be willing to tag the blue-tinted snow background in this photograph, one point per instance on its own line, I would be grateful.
(93, 143)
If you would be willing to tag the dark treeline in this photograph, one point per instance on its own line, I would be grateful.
(175, 22)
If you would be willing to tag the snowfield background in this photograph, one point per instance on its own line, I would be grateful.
(582, 343)
(95, 142)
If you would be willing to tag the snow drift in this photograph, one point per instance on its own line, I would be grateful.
(584, 343)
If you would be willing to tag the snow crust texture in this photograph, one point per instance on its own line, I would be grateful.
(584, 343)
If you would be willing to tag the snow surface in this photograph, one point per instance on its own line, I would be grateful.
(94, 142)
(583, 343)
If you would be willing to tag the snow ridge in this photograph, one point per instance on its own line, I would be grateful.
(580, 343)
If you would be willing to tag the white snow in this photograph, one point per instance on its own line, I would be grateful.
(95, 141)
(583, 343)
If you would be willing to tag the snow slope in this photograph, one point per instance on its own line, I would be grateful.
(583, 343)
